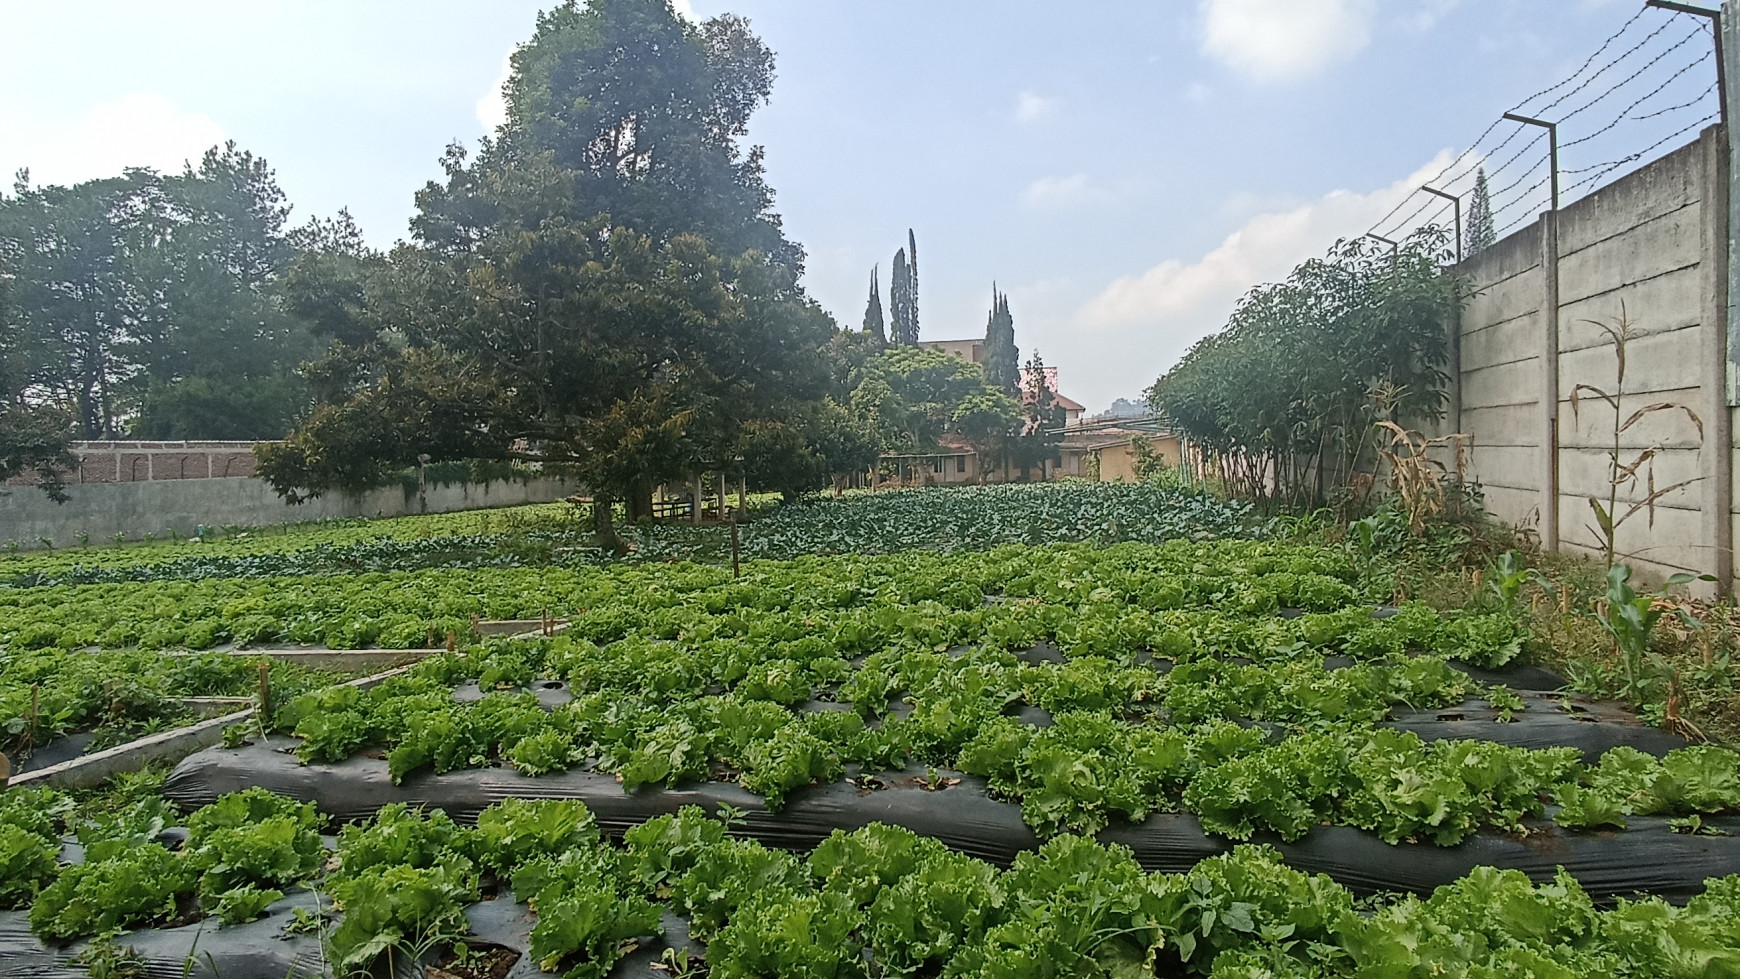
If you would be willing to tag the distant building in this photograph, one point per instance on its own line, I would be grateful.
(972, 351)
(1108, 453)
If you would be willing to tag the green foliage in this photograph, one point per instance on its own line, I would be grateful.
(1480, 233)
(252, 839)
(398, 911)
(583, 919)
(243, 904)
(873, 321)
(903, 296)
(515, 831)
(1630, 618)
(125, 886)
(915, 396)
(27, 862)
(882, 900)
(1350, 339)
(629, 324)
(1002, 356)
(150, 295)
(35, 443)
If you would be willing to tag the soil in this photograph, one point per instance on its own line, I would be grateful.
(481, 962)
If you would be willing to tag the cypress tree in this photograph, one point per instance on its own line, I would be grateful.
(899, 288)
(912, 286)
(1002, 358)
(873, 312)
(1480, 233)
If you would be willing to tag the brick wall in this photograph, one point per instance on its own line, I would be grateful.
(139, 462)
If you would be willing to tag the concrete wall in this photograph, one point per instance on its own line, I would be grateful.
(1651, 248)
(179, 506)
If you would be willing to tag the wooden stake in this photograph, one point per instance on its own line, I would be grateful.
(736, 566)
(265, 694)
(452, 641)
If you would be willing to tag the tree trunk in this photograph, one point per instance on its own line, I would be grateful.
(640, 501)
(604, 528)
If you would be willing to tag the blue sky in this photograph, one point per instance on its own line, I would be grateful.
(1123, 170)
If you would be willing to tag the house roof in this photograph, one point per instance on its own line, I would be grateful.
(1066, 403)
(1102, 437)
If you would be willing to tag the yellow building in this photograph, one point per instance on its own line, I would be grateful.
(1108, 454)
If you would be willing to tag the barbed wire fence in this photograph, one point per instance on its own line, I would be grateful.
(1648, 86)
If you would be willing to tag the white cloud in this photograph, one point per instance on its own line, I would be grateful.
(1032, 107)
(1428, 15)
(1270, 40)
(142, 129)
(492, 108)
(684, 10)
(1172, 305)
(1061, 192)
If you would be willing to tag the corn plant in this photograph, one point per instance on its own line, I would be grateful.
(1420, 481)
(1623, 474)
(1630, 617)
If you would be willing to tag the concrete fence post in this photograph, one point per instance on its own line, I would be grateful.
(1717, 454)
(1549, 392)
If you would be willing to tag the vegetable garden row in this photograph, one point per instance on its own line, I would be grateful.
(878, 901)
(1223, 756)
(963, 518)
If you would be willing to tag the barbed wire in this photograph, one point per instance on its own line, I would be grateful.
(1613, 165)
(1675, 108)
(1508, 199)
(1587, 62)
(1527, 215)
(1439, 179)
(1652, 35)
(1634, 75)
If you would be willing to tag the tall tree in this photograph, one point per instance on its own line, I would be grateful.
(33, 437)
(217, 350)
(145, 301)
(1042, 419)
(873, 312)
(911, 287)
(903, 294)
(605, 285)
(1480, 233)
(75, 303)
(899, 289)
(916, 396)
(1002, 357)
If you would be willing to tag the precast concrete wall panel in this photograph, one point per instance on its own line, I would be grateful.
(1645, 247)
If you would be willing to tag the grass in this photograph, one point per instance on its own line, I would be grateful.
(1691, 680)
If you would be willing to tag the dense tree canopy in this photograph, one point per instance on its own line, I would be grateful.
(33, 438)
(604, 285)
(1285, 398)
(914, 397)
(143, 304)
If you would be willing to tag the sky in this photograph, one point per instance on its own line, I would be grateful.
(1123, 170)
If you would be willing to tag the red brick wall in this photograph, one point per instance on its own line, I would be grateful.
(132, 462)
